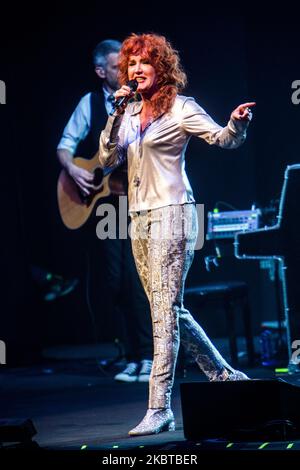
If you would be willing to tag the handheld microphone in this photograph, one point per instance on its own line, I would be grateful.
(120, 102)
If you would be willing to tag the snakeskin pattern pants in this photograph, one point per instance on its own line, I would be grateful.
(163, 242)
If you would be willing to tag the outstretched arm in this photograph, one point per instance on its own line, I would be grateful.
(197, 122)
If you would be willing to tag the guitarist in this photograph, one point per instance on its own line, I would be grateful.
(122, 288)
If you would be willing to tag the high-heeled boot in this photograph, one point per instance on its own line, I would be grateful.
(155, 421)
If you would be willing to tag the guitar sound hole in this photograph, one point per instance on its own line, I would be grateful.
(98, 176)
(85, 199)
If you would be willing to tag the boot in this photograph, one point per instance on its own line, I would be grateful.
(156, 420)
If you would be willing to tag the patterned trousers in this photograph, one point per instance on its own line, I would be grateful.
(163, 242)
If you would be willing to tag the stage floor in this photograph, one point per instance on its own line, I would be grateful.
(74, 403)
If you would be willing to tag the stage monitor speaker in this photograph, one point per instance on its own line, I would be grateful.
(241, 410)
(17, 430)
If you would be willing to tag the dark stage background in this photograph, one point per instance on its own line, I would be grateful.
(230, 57)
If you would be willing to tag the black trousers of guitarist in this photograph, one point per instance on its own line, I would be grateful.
(116, 299)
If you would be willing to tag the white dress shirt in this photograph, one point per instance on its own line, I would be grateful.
(79, 123)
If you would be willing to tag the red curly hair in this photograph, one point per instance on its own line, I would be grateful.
(170, 76)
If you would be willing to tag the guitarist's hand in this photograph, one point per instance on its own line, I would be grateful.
(83, 179)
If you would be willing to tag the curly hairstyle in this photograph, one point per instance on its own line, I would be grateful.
(170, 76)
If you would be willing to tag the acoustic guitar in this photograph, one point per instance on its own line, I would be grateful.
(74, 207)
